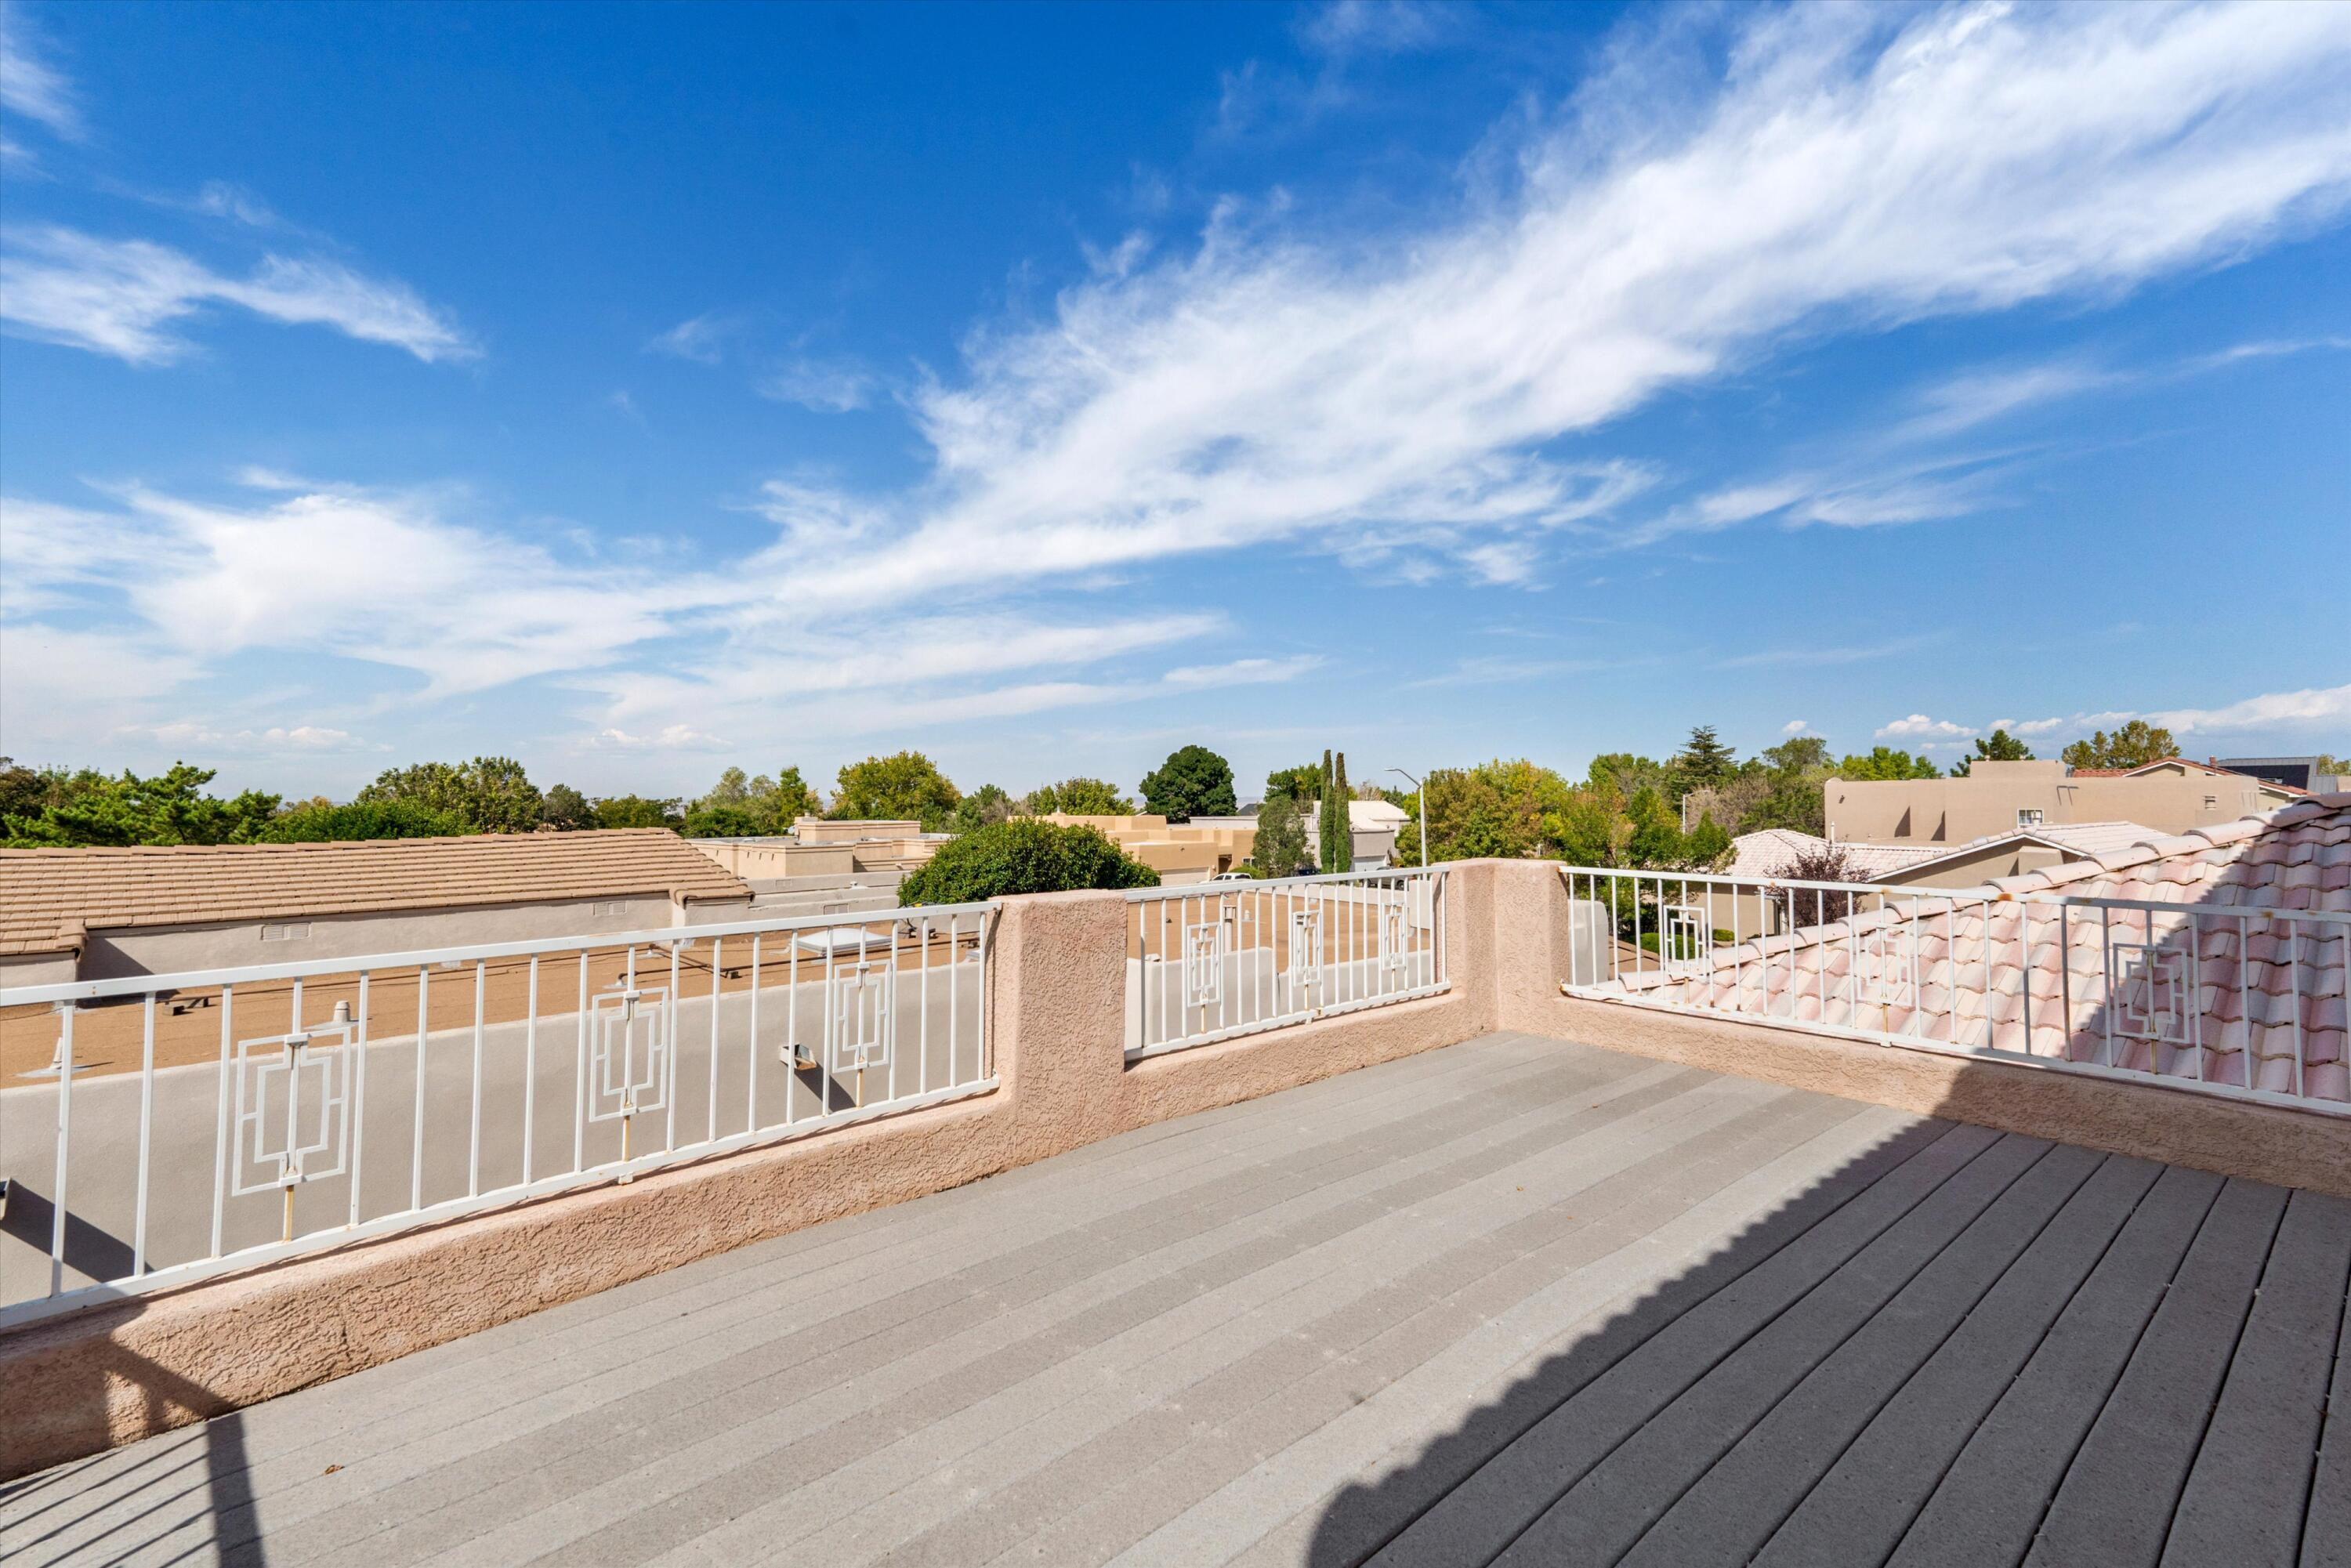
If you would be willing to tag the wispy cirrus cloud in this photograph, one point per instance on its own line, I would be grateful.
(130, 297)
(1850, 169)
(1431, 401)
(701, 339)
(827, 386)
(32, 87)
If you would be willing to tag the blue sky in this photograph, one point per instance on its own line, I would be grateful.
(637, 392)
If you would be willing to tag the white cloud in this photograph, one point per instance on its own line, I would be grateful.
(670, 737)
(1800, 658)
(1795, 727)
(124, 297)
(1846, 172)
(1979, 397)
(1399, 402)
(1919, 727)
(825, 386)
(2313, 706)
(29, 85)
(2029, 727)
(345, 572)
(1344, 27)
(699, 337)
(272, 741)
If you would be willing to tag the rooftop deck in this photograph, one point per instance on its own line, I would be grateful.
(1514, 1300)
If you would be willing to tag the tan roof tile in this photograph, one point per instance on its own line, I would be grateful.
(48, 897)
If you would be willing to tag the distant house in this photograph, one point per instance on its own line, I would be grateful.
(97, 914)
(1770, 853)
(2171, 796)
(1373, 824)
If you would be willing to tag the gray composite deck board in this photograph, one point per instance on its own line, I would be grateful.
(2117, 1502)
(1514, 1298)
(1861, 1508)
(2245, 1499)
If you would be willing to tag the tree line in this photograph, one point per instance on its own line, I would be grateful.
(49, 807)
(1627, 809)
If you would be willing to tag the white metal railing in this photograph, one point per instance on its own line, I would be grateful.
(2238, 999)
(189, 1125)
(1207, 961)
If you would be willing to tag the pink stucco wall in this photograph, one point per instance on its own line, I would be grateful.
(114, 1374)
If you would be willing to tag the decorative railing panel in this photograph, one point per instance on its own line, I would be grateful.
(188, 1125)
(2245, 999)
(1210, 961)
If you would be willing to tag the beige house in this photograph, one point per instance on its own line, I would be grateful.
(2173, 796)
(1179, 851)
(97, 914)
(1770, 853)
(820, 847)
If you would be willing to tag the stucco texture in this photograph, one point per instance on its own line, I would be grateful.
(1056, 1026)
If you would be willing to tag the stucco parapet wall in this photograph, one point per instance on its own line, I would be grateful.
(1057, 1016)
(2271, 1144)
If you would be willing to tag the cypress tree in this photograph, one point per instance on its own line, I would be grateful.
(1332, 840)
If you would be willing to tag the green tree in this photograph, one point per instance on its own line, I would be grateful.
(983, 808)
(2134, 745)
(770, 806)
(1626, 773)
(735, 788)
(1079, 798)
(1708, 845)
(1884, 762)
(725, 822)
(28, 791)
(489, 794)
(638, 812)
(1335, 822)
(318, 823)
(566, 810)
(1703, 763)
(1301, 783)
(1584, 831)
(1794, 772)
(2327, 763)
(1193, 782)
(1501, 808)
(1022, 855)
(170, 808)
(1657, 838)
(905, 785)
(794, 800)
(1279, 846)
(1999, 747)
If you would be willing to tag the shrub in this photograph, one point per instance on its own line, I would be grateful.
(1022, 855)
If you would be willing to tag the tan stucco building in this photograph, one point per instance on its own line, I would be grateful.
(2173, 796)
(99, 912)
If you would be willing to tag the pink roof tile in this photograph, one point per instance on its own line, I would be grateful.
(2188, 991)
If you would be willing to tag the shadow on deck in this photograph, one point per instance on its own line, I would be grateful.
(1516, 1299)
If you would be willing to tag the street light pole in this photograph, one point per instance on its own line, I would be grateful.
(1421, 795)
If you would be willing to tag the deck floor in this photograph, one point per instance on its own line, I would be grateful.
(1516, 1301)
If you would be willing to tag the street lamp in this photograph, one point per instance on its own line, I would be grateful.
(1422, 795)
